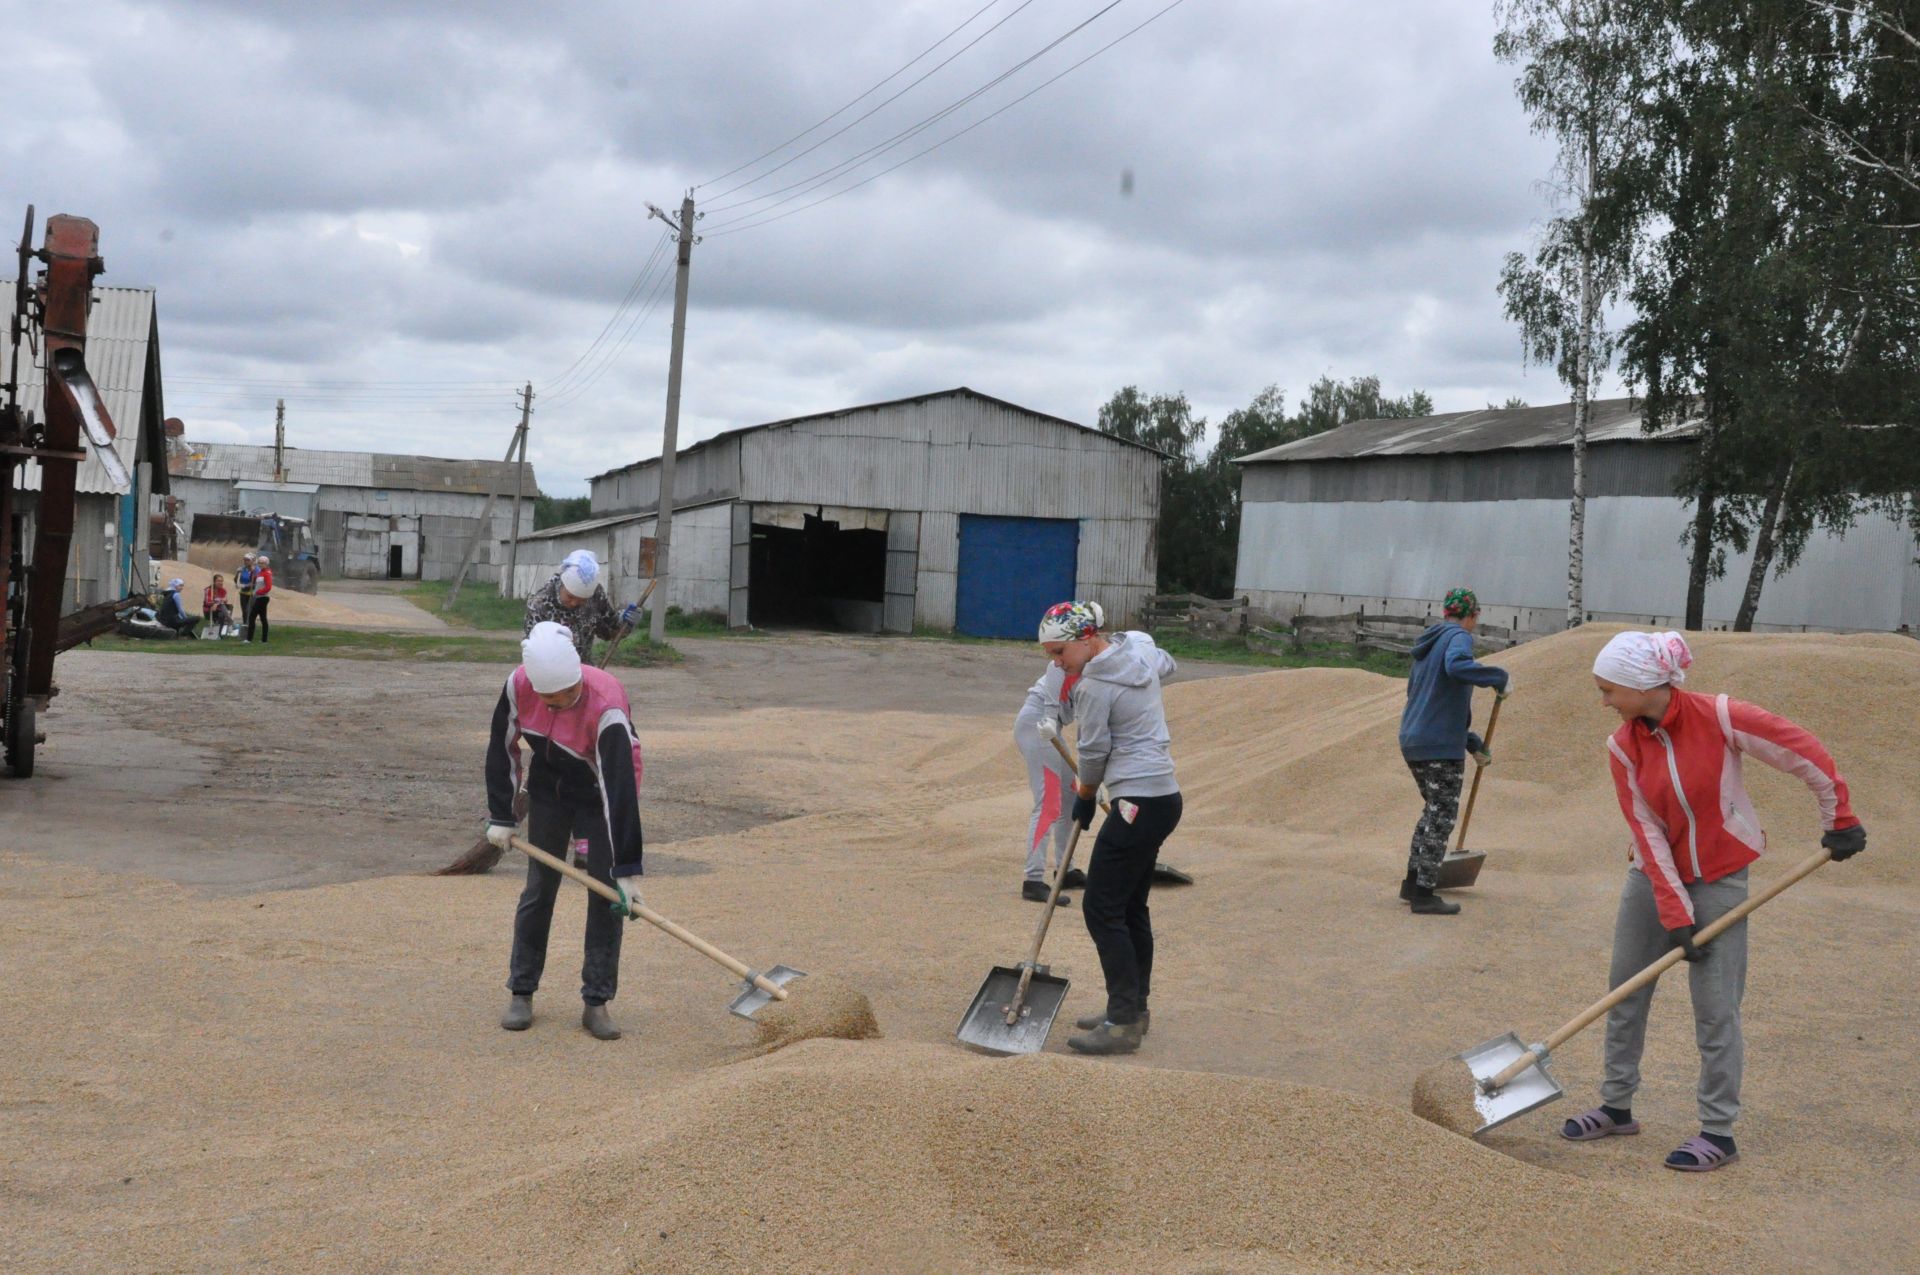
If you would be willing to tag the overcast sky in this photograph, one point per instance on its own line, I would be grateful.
(392, 214)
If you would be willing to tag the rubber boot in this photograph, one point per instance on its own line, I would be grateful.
(1092, 1021)
(1408, 886)
(1426, 903)
(596, 1020)
(1037, 892)
(519, 1015)
(1108, 1038)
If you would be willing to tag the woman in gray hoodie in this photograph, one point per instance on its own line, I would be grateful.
(1123, 742)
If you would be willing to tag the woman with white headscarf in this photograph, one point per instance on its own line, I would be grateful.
(1676, 762)
(582, 780)
(575, 600)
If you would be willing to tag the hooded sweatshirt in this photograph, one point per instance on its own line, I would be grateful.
(1434, 725)
(1051, 696)
(1123, 728)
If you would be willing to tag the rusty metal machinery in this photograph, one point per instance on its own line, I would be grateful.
(50, 322)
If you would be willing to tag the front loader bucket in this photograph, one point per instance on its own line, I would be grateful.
(985, 1025)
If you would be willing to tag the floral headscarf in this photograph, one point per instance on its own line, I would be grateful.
(1070, 621)
(1459, 604)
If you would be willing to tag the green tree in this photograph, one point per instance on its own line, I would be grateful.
(557, 511)
(1186, 540)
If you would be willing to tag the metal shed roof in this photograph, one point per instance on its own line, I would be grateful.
(120, 327)
(1609, 420)
(869, 407)
(389, 471)
(587, 525)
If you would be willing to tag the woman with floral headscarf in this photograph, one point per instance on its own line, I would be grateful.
(1123, 741)
(1676, 770)
(1435, 739)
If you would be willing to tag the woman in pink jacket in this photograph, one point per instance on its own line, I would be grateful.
(1676, 768)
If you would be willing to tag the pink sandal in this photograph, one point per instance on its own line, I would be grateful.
(1706, 1156)
(1596, 1123)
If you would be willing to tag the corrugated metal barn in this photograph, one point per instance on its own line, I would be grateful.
(1390, 514)
(950, 511)
(375, 515)
(108, 555)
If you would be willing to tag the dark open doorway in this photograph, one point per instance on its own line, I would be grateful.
(817, 576)
(396, 563)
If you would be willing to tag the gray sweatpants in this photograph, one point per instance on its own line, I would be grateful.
(1718, 980)
(1047, 779)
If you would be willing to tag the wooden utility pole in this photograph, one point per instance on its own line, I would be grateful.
(670, 436)
(519, 484)
(280, 440)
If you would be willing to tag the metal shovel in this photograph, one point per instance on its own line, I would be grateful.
(1461, 867)
(1511, 1079)
(757, 988)
(1014, 1009)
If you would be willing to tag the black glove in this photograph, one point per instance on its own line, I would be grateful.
(1683, 939)
(1475, 744)
(1083, 808)
(1846, 842)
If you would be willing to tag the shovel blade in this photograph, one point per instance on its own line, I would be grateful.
(753, 998)
(985, 1025)
(1166, 874)
(1458, 871)
(1534, 1087)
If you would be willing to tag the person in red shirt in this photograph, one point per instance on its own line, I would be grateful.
(1676, 762)
(214, 609)
(262, 594)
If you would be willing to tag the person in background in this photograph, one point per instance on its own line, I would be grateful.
(262, 595)
(243, 583)
(1436, 736)
(172, 613)
(1676, 762)
(214, 609)
(574, 599)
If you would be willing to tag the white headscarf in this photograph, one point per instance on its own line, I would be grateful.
(1643, 661)
(578, 576)
(550, 659)
(176, 583)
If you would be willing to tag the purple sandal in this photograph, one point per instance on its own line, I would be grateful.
(1706, 1156)
(1589, 1125)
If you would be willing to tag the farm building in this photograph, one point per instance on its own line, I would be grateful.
(951, 510)
(107, 558)
(375, 515)
(1390, 514)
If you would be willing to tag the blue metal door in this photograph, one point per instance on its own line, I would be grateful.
(1011, 571)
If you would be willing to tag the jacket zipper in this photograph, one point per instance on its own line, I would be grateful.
(1693, 840)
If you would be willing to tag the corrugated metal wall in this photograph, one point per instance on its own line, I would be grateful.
(704, 474)
(1613, 469)
(702, 559)
(1513, 554)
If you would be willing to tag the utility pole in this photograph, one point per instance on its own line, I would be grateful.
(519, 485)
(514, 446)
(669, 439)
(280, 440)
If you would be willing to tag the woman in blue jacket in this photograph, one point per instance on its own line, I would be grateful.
(1435, 739)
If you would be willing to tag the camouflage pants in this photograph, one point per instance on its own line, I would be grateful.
(1440, 789)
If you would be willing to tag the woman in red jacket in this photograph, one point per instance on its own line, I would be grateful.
(1676, 769)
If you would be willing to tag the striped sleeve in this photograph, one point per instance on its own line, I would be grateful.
(1654, 852)
(617, 759)
(503, 758)
(1793, 750)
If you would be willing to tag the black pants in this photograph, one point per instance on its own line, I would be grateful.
(258, 612)
(1119, 877)
(184, 626)
(553, 821)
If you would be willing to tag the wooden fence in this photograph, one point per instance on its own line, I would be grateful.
(1191, 613)
(1365, 632)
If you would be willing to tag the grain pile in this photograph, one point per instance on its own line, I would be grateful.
(301, 608)
(818, 1006)
(1445, 1094)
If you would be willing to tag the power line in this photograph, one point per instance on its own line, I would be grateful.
(633, 290)
(876, 109)
(652, 303)
(855, 102)
(810, 184)
(746, 223)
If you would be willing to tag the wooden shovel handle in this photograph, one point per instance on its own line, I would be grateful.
(1074, 766)
(739, 968)
(621, 636)
(1473, 793)
(1040, 930)
(1706, 934)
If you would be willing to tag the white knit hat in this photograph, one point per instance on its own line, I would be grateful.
(579, 576)
(550, 659)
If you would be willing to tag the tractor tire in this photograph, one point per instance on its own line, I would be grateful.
(309, 580)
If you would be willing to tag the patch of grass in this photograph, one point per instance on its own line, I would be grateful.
(344, 644)
(1234, 650)
(479, 606)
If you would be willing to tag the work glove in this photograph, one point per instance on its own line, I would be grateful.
(1482, 755)
(630, 614)
(499, 835)
(629, 888)
(1503, 692)
(1846, 842)
(1083, 808)
(1048, 729)
(1683, 939)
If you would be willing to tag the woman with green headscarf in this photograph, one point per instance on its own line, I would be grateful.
(1435, 739)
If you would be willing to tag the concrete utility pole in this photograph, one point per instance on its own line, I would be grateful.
(519, 484)
(670, 437)
(280, 440)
